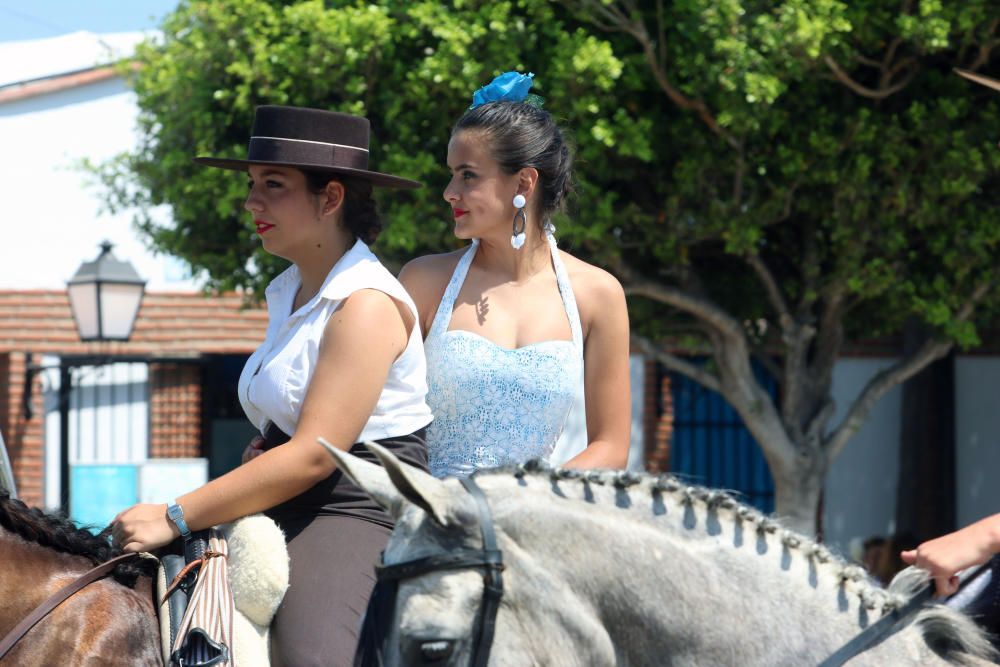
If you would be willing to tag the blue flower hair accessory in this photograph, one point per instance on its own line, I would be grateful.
(508, 87)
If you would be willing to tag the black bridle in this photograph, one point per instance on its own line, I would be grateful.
(489, 558)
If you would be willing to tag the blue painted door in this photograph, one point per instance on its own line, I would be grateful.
(711, 446)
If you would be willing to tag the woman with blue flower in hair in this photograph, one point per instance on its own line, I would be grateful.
(512, 324)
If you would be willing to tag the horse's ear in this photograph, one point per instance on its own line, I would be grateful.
(370, 477)
(420, 488)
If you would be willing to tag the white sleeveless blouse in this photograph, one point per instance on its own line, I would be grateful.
(495, 406)
(276, 377)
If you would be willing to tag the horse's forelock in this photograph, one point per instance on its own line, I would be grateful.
(59, 533)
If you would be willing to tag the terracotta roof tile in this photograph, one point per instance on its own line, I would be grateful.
(168, 323)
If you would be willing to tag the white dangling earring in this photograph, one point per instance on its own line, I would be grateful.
(517, 237)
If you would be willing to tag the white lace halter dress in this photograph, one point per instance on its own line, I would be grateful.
(495, 406)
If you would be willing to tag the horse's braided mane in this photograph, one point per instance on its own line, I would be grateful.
(949, 633)
(871, 596)
(59, 533)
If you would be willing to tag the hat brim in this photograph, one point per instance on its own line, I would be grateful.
(979, 78)
(375, 178)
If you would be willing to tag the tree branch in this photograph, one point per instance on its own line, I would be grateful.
(872, 93)
(877, 387)
(774, 294)
(986, 49)
(703, 309)
(619, 22)
(830, 333)
(765, 360)
(899, 372)
(675, 363)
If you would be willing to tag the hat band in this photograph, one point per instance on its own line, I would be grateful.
(301, 151)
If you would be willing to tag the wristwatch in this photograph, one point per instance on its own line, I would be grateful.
(176, 514)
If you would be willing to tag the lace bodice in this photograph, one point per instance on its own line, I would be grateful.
(495, 406)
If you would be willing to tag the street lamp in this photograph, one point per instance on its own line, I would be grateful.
(104, 296)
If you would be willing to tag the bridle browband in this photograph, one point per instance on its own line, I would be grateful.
(489, 558)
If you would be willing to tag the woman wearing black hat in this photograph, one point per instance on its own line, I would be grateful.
(343, 359)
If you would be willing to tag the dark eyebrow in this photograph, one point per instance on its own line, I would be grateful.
(464, 165)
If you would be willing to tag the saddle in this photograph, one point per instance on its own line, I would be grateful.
(178, 573)
(255, 563)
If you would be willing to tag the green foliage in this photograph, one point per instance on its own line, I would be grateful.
(411, 67)
(892, 200)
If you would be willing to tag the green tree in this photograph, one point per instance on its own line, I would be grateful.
(768, 179)
(411, 67)
(829, 179)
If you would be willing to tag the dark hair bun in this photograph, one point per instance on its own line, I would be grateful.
(521, 135)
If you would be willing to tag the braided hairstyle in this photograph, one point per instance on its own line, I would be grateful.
(360, 213)
(521, 135)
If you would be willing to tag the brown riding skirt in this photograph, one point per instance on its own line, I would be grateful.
(335, 533)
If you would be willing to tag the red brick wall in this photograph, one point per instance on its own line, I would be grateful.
(24, 438)
(175, 411)
(189, 324)
(658, 453)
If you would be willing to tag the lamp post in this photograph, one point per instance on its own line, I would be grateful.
(104, 296)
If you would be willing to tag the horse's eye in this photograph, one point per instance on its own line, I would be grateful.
(433, 651)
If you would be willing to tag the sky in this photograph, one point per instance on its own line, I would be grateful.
(38, 19)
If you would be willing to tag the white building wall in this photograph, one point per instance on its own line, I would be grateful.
(860, 495)
(574, 436)
(977, 437)
(54, 217)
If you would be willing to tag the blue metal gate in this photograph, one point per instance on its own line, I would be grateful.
(711, 446)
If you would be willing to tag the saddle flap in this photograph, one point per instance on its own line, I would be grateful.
(172, 595)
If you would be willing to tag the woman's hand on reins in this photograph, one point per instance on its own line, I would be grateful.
(143, 527)
(947, 555)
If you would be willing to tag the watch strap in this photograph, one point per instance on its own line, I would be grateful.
(176, 514)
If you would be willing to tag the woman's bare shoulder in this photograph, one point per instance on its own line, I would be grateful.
(591, 282)
(600, 299)
(429, 270)
(425, 279)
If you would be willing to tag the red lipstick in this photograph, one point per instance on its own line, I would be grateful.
(262, 226)
(459, 212)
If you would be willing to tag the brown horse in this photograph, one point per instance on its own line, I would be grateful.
(110, 622)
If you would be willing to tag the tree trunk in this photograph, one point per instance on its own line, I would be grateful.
(797, 492)
(925, 498)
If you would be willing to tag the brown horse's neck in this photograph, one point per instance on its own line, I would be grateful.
(35, 572)
(105, 622)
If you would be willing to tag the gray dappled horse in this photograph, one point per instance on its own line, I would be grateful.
(613, 568)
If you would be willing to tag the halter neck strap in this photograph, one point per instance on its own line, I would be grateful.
(442, 319)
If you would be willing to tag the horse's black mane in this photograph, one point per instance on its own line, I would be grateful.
(57, 532)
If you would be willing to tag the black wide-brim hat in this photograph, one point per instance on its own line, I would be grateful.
(311, 139)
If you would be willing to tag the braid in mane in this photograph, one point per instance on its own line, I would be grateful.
(871, 597)
(59, 533)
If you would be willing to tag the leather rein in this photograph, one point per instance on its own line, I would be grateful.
(894, 620)
(57, 598)
(489, 558)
